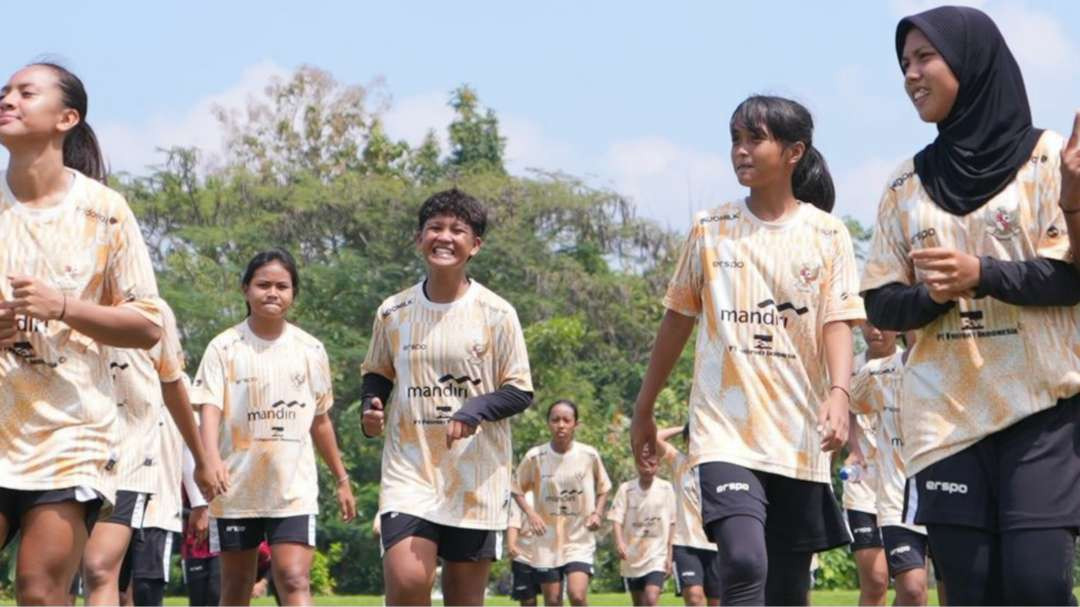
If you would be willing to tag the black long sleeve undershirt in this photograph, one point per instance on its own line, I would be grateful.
(899, 307)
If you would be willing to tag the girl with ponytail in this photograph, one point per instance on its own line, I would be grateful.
(76, 276)
(774, 276)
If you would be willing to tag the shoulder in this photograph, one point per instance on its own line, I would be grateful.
(491, 302)
(397, 303)
(588, 451)
(1049, 147)
(726, 213)
(305, 340)
(226, 339)
(826, 225)
(534, 453)
(109, 205)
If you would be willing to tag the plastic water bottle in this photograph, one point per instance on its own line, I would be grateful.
(851, 474)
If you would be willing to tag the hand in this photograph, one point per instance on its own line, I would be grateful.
(457, 430)
(668, 567)
(374, 419)
(536, 523)
(643, 439)
(259, 588)
(949, 274)
(512, 550)
(1070, 169)
(199, 523)
(593, 522)
(855, 459)
(9, 326)
(346, 501)
(621, 550)
(213, 478)
(833, 421)
(32, 297)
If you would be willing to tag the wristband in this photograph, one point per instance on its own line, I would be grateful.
(846, 393)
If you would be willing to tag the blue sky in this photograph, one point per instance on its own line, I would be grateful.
(632, 95)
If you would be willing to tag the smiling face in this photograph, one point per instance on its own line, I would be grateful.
(447, 242)
(270, 292)
(928, 79)
(32, 107)
(759, 159)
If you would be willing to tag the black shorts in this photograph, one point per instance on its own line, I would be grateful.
(638, 584)
(1026, 476)
(550, 575)
(151, 554)
(864, 530)
(455, 544)
(696, 567)
(904, 549)
(523, 583)
(130, 509)
(799, 516)
(232, 534)
(15, 503)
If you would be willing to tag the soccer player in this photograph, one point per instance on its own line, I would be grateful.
(643, 513)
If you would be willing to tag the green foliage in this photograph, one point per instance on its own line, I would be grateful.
(837, 570)
(321, 580)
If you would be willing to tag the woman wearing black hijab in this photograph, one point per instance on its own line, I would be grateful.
(970, 250)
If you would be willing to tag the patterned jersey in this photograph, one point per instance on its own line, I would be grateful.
(519, 521)
(269, 393)
(137, 378)
(646, 517)
(439, 356)
(861, 495)
(984, 364)
(565, 487)
(766, 291)
(57, 398)
(689, 528)
(165, 510)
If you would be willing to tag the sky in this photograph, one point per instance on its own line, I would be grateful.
(633, 96)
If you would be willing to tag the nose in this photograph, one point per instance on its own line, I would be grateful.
(5, 104)
(912, 73)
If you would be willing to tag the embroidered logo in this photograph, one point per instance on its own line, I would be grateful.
(1002, 223)
(806, 275)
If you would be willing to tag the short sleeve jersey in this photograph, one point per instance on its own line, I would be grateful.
(861, 495)
(269, 393)
(984, 364)
(876, 391)
(766, 290)
(57, 399)
(689, 528)
(525, 536)
(439, 356)
(565, 486)
(137, 378)
(646, 517)
(165, 509)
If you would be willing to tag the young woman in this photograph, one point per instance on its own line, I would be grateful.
(264, 393)
(695, 564)
(969, 250)
(446, 369)
(519, 539)
(570, 486)
(774, 276)
(643, 513)
(76, 277)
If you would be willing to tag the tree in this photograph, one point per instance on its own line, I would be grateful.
(475, 143)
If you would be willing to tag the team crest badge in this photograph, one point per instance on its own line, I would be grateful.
(478, 349)
(806, 275)
(298, 379)
(1002, 223)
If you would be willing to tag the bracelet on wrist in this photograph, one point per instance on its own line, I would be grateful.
(63, 308)
(842, 389)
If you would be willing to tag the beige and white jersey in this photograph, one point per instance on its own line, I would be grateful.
(269, 393)
(861, 495)
(519, 521)
(137, 377)
(439, 356)
(984, 364)
(165, 509)
(565, 486)
(876, 391)
(647, 517)
(57, 398)
(689, 528)
(766, 291)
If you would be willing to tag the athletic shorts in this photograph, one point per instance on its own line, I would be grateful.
(864, 530)
(231, 534)
(696, 567)
(1026, 476)
(523, 582)
(550, 575)
(130, 509)
(455, 544)
(638, 584)
(799, 516)
(151, 554)
(904, 549)
(15, 503)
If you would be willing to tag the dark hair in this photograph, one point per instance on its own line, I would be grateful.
(686, 432)
(563, 401)
(81, 149)
(789, 122)
(267, 257)
(458, 204)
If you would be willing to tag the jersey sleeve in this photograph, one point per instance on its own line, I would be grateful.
(686, 284)
(380, 354)
(129, 275)
(209, 388)
(1053, 239)
(842, 289)
(618, 506)
(888, 260)
(513, 357)
(168, 354)
(322, 382)
(862, 401)
(516, 517)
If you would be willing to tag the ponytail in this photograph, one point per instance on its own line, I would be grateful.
(81, 149)
(789, 122)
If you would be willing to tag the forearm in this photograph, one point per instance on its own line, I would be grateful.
(179, 406)
(671, 338)
(195, 496)
(899, 307)
(1033, 282)
(322, 434)
(208, 429)
(117, 326)
(505, 402)
(616, 531)
(601, 502)
(523, 503)
(838, 353)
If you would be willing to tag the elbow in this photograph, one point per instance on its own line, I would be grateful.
(146, 337)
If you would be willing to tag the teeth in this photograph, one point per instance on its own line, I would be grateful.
(919, 94)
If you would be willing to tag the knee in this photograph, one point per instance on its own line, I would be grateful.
(578, 598)
(34, 590)
(743, 567)
(289, 580)
(877, 582)
(1036, 586)
(693, 596)
(98, 570)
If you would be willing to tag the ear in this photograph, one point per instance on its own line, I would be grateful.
(69, 119)
(795, 152)
(477, 242)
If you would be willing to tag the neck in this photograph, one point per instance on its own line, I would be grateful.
(446, 286)
(266, 328)
(772, 202)
(645, 483)
(561, 447)
(872, 354)
(37, 176)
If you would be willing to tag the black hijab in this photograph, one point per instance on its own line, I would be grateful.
(987, 135)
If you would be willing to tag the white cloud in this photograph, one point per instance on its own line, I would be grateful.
(858, 190)
(412, 117)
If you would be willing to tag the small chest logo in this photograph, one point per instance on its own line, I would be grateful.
(1002, 223)
(806, 275)
(478, 348)
(298, 379)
